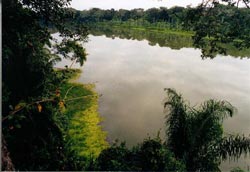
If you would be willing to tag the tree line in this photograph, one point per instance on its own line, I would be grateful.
(33, 136)
(212, 26)
(176, 16)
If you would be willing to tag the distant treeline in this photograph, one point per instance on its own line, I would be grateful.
(175, 17)
(174, 40)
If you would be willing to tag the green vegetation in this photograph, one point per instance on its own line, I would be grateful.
(221, 24)
(32, 137)
(50, 123)
(162, 18)
(210, 24)
(195, 141)
(151, 155)
(173, 39)
(83, 134)
(150, 27)
(195, 135)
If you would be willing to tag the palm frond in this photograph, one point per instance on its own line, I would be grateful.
(176, 122)
(234, 146)
(195, 135)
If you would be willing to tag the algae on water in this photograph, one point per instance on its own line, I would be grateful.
(84, 134)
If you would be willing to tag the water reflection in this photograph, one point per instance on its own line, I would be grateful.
(173, 41)
(131, 76)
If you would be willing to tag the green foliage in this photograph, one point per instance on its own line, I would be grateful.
(151, 155)
(46, 128)
(213, 25)
(154, 35)
(19, 68)
(37, 144)
(172, 39)
(114, 159)
(216, 24)
(173, 17)
(71, 46)
(237, 170)
(83, 136)
(195, 135)
(30, 103)
(233, 146)
(27, 63)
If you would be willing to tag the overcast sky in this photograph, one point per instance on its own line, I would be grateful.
(130, 4)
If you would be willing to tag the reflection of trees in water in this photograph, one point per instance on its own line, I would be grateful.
(173, 41)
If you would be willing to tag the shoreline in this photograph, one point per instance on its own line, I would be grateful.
(84, 134)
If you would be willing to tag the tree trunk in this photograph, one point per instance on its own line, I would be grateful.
(7, 164)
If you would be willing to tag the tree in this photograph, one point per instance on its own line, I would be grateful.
(195, 135)
(152, 15)
(150, 155)
(34, 140)
(216, 24)
(123, 14)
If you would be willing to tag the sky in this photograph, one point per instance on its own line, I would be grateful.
(130, 4)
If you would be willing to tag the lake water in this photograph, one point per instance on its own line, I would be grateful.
(130, 74)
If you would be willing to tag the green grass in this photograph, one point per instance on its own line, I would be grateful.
(83, 135)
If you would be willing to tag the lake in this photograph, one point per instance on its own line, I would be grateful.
(130, 74)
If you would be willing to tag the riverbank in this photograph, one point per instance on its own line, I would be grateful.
(83, 134)
(158, 27)
(174, 39)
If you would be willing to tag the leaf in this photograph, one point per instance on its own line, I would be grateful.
(20, 105)
(57, 92)
(39, 108)
(17, 107)
(61, 105)
(11, 107)
(10, 117)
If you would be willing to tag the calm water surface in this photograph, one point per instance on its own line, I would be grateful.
(131, 76)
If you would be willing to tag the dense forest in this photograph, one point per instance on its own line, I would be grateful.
(44, 113)
(175, 17)
(212, 26)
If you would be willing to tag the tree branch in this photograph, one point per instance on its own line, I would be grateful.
(41, 101)
(67, 92)
(246, 3)
(21, 108)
